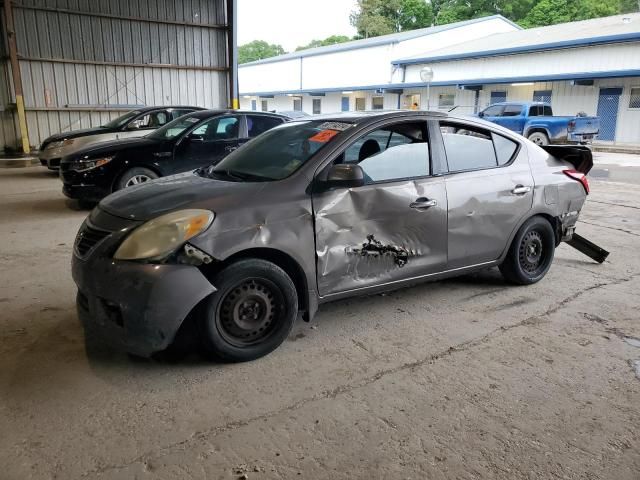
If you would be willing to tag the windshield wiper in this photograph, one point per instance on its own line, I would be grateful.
(241, 175)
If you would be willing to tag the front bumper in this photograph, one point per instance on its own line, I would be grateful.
(52, 163)
(89, 185)
(136, 307)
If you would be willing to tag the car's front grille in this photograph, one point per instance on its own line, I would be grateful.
(88, 238)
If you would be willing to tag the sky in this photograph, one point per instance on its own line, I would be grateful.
(292, 23)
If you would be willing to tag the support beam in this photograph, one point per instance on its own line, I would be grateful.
(232, 53)
(17, 78)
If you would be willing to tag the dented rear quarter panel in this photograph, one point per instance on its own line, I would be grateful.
(555, 194)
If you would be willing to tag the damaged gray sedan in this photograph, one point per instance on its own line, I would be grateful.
(319, 209)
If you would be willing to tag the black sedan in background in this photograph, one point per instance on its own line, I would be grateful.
(195, 140)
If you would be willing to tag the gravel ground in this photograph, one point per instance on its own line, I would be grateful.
(460, 379)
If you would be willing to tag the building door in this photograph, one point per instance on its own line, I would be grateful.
(360, 104)
(497, 97)
(254, 104)
(608, 103)
(345, 104)
(297, 104)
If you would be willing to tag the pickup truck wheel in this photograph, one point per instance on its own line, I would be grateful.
(531, 253)
(134, 176)
(539, 138)
(251, 313)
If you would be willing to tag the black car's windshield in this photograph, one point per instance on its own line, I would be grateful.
(279, 152)
(172, 129)
(120, 121)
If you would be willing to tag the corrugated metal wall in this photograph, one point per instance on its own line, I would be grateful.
(84, 62)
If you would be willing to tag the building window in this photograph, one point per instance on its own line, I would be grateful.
(360, 104)
(254, 104)
(446, 100)
(297, 104)
(377, 103)
(317, 106)
(542, 96)
(345, 104)
(265, 106)
(634, 97)
(498, 96)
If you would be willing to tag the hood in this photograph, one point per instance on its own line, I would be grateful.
(114, 146)
(185, 190)
(75, 134)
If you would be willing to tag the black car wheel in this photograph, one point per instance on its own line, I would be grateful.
(134, 176)
(251, 313)
(531, 253)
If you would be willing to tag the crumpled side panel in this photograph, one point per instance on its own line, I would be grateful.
(370, 235)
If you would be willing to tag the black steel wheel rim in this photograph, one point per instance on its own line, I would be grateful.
(249, 312)
(532, 253)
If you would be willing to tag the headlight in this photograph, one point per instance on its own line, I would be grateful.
(60, 143)
(84, 164)
(164, 234)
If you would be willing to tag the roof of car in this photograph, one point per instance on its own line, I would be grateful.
(368, 115)
(157, 107)
(522, 103)
(212, 112)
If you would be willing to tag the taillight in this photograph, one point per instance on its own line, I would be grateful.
(580, 177)
(572, 126)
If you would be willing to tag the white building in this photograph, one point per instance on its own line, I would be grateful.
(591, 66)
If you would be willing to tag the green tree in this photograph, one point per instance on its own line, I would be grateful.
(257, 50)
(380, 17)
(332, 40)
(550, 12)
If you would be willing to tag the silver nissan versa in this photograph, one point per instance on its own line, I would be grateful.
(318, 209)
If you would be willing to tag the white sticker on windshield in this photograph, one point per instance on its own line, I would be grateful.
(191, 119)
(339, 126)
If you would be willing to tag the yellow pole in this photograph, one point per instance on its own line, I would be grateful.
(17, 78)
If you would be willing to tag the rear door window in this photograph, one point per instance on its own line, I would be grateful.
(257, 124)
(467, 148)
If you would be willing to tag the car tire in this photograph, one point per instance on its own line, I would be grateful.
(539, 138)
(531, 252)
(134, 176)
(251, 313)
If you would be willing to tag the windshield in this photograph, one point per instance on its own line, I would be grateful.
(279, 152)
(120, 121)
(172, 129)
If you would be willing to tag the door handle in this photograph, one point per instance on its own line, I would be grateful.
(520, 190)
(423, 203)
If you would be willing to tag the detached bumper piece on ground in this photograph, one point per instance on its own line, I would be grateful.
(590, 249)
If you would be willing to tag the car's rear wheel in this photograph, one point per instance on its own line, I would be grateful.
(134, 176)
(251, 313)
(531, 252)
(539, 138)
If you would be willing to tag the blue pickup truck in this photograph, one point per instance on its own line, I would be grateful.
(535, 121)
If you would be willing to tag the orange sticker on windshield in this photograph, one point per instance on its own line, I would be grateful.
(324, 136)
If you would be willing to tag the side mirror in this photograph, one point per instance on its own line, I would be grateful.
(481, 114)
(345, 175)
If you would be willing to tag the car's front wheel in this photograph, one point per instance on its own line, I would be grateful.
(134, 176)
(251, 313)
(531, 252)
